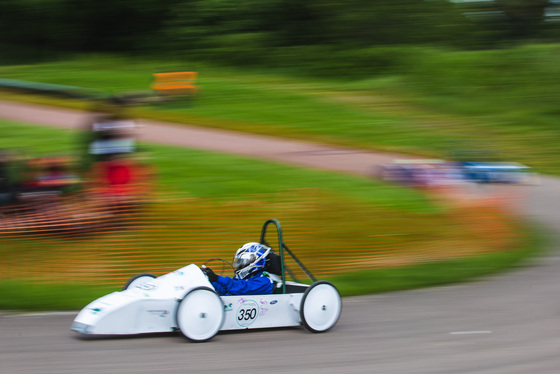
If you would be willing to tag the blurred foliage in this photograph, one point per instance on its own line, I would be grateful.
(251, 29)
(66, 25)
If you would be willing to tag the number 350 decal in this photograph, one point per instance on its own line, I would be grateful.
(247, 313)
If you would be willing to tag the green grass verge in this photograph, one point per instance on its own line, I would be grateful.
(18, 295)
(447, 99)
(201, 174)
(208, 175)
(443, 272)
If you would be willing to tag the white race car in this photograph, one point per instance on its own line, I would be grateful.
(186, 301)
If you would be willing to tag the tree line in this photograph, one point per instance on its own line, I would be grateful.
(246, 31)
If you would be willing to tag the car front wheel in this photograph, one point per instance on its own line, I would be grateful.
(200, 314)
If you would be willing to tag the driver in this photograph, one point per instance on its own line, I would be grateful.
(250, 277)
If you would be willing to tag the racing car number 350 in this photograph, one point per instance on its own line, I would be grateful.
(247, 313)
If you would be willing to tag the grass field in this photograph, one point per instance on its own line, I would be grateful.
(207, 204)
(21, 294)
(194, 173)
(498, 102)
(211, 203)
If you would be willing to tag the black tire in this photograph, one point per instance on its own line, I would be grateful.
(134, 280)
(320, 307)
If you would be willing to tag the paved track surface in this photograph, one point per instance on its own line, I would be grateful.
(505, 324)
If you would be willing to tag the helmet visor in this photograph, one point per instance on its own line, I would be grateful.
(243, 260)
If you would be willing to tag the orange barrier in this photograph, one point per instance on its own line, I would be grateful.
(178, 83)
(81, 243)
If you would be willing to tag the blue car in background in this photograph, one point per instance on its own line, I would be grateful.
(496, 172)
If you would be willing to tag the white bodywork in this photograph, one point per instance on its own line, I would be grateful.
(151, 307)
(276, 310)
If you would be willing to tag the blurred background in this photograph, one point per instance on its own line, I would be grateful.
(469, 82)
(261, 33)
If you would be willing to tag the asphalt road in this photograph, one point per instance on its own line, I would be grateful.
(504, 324)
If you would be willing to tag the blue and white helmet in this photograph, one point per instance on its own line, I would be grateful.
(249, 259)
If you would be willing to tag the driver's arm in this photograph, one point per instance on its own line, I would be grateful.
(258, 285)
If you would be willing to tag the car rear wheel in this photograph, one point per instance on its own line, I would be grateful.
(200, 314)
(137, 280)
(321, 306)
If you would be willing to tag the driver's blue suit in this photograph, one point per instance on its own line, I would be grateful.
(258, 284)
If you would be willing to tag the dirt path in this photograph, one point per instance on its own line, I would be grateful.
(308, 154)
